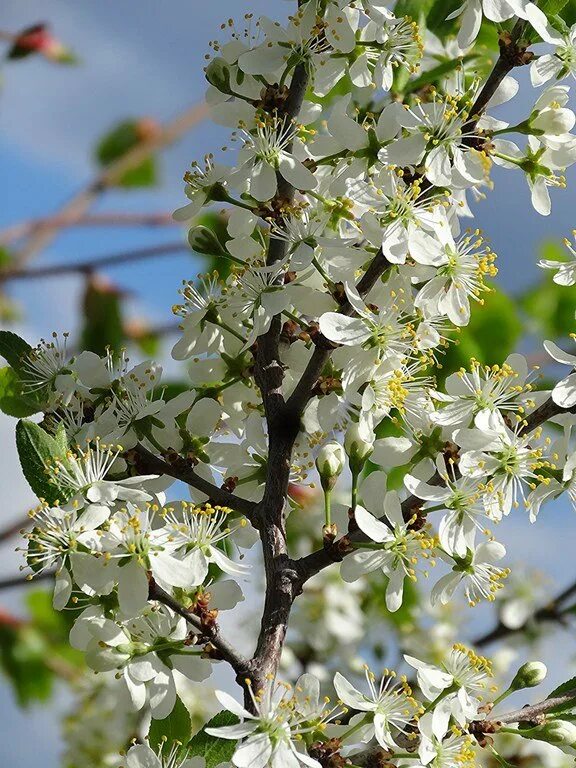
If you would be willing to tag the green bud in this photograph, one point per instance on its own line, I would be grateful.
(218, 75)
(330, 463)
(529, 675)
(358, 444)
(556, 732)
(203, 240)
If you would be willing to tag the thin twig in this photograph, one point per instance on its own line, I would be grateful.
(552, 611)
(77, 207)
(119, 219)
(239, 663)
(148, 463)
(94, 264)
(26, 581)
(533, 713)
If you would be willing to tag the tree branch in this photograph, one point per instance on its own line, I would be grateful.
(26, 581)
(533, 713)
(75, 208)
(147, 463)
(282, 432)
(239, 663)
(316, 561)
(94, 264)
(324, 347)
(120, 219)
(512, 55)
(552, 611)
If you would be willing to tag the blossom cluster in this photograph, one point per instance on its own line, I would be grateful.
(347, 246)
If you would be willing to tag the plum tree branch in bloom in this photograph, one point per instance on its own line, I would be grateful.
(210, 631)
(323, 396)
(149, 464)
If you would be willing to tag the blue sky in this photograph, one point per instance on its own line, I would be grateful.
(145, 59)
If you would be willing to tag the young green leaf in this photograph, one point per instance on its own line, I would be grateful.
(568, 686)
(13, 349)
(174, 729)
(12, 401)
(212, 749)
(121, 140)
(36, 449)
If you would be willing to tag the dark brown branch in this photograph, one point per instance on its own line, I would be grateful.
(324, 347)
(282, 432)
(554, 610)
(238, 662)
(94, 264)
(512, 54)
(14, 528)
(147, 463)
(26, 581)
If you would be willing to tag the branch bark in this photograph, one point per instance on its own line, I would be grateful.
(282, 431)
(148, 463)
(533, 713)
(236, 660)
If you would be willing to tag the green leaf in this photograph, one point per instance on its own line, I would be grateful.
(552, 7)
(23, 654)
(212, 749)
(491, 335)
(175, 728)
(417, 9)
(436, 18)
(12, 401)
(569, 685)
(117, 143)
(36, 448)
(549, 306)
(13, 349)
(102, 313)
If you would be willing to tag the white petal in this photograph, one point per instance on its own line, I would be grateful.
(295, 173)
(369, 525)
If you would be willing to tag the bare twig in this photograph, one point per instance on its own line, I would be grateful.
(148, 463)
(94, 264)
(239, 663)
(31, 226)
(26, 581)
(512, 54)
(554, 610)
(533, 713)
(77, 207)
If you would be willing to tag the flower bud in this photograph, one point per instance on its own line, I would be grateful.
(203, 240)
(218, 74)
(553, 121)
(359, 444)
(330, 463)
(556, 732)
(529, 675)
